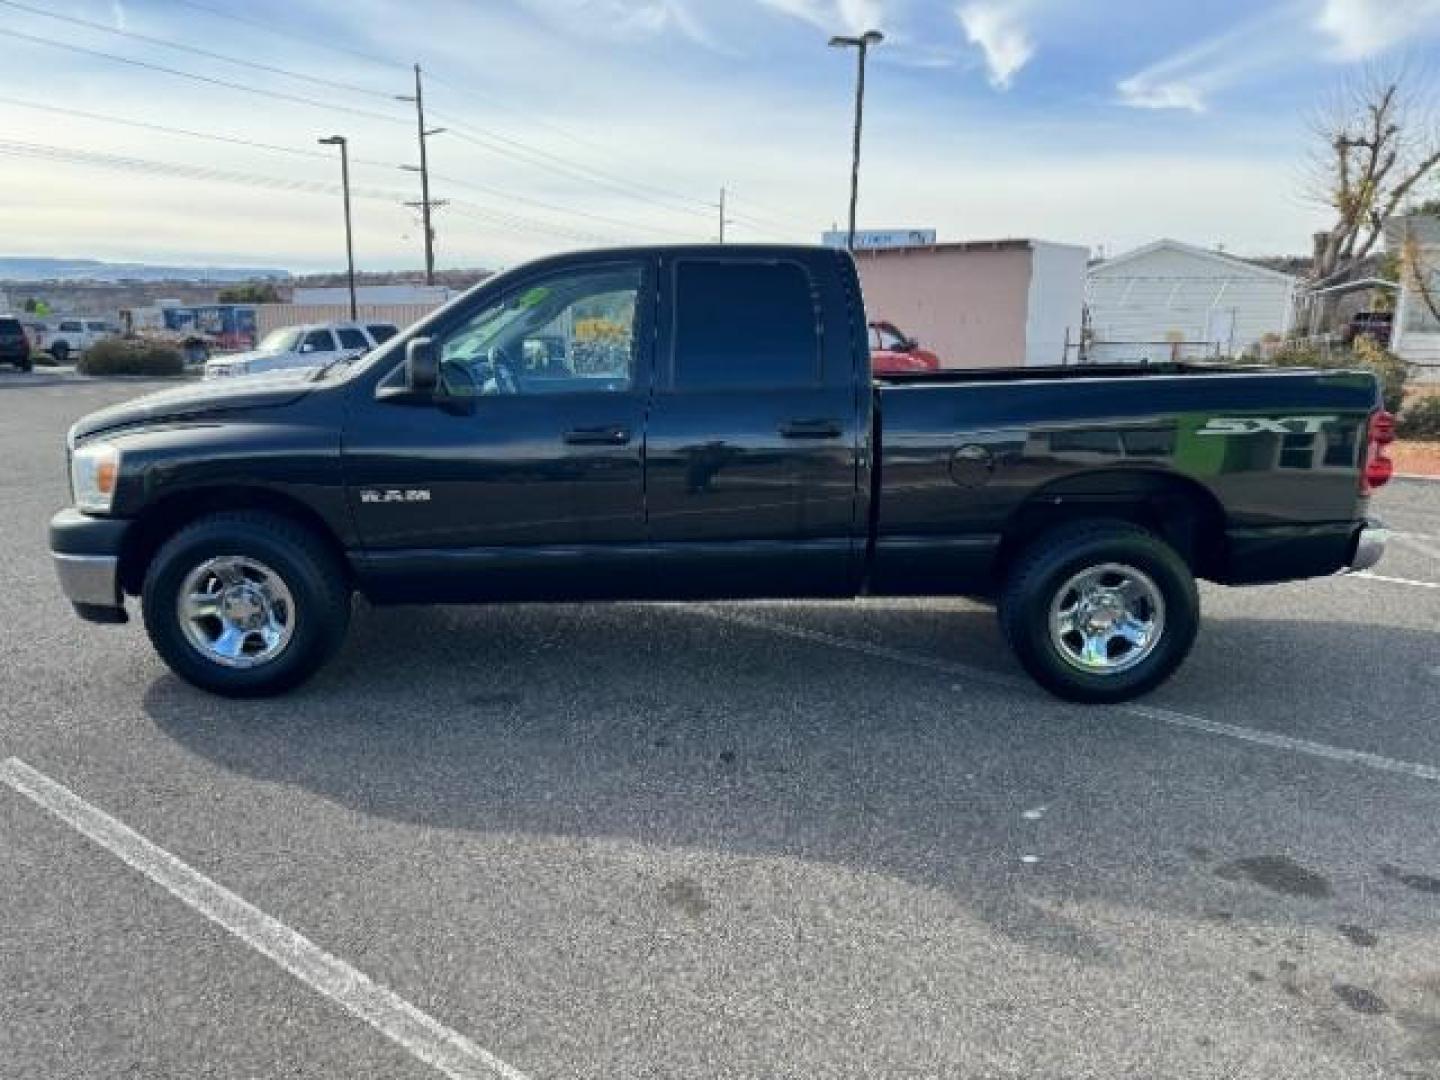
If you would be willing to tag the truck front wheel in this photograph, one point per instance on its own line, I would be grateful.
(245, 604)
(1100, 611)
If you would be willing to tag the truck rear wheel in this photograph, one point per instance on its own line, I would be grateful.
(245, 604)
(1100, 611)
(60, 351)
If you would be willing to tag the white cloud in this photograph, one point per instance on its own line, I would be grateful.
(999, 31)
(1364, 29)
(117, 12)
(624, 20)
(835, 16)
(1187, 79)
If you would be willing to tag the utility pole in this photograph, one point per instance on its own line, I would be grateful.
(342, 142)
(426, 203)
(722, 213)
(862, 46)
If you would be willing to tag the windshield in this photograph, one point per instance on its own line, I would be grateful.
(286, 340)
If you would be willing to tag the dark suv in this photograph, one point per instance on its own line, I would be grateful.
(14, 344)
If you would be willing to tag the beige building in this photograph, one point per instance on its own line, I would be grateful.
(994, 303)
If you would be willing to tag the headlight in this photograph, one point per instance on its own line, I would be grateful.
(94, 471)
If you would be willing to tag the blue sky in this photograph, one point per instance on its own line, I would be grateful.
(575, 122)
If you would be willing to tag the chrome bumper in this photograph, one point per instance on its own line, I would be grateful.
(91, 583)
(1369, 546)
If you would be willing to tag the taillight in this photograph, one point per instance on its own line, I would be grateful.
(1378, 466)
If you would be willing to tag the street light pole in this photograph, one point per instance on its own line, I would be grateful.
(340, 141)
(861, 45)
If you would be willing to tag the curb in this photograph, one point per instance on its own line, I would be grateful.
(1416, 478)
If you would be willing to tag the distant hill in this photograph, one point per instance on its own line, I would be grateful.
(18, 268)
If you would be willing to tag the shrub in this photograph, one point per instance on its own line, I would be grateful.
(1420, 419)
(124, 356)
(1365, 355)
(43, 359)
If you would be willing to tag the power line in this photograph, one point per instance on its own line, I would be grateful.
(209, 136)
(309, 39)
(182, 171)
(239, 61)
(210, 80)
(501, 193)
(320, 155)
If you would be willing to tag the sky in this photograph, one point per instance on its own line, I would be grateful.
(578, 123)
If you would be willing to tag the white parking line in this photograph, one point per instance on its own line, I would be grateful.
(1417, 542)
(1255, 736)
(1368, 576)
(420, 1034)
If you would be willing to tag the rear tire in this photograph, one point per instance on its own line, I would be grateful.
(273, 604)
(1100, 611)
(60, 351)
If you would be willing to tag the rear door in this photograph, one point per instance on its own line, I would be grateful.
(755, 429)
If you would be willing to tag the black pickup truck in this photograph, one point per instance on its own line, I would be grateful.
(702, 423)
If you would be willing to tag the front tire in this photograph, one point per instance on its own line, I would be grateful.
(60, 351)
(245, 604)
(1100, 611)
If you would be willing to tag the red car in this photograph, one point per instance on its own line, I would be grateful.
(892, 353)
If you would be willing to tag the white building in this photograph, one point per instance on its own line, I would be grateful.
(1171, 301)
(1416, 337)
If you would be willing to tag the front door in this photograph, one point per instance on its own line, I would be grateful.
(525, 478)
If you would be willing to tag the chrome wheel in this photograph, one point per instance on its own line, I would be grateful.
(236, 611)
(1107, 619)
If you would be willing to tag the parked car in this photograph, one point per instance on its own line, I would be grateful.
(702, 423)
(1377, 325)
(14, 344)
(891, 352)
(65, 338)
(299, 347)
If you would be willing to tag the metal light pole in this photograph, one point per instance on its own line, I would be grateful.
(861, 45)
(340, 141)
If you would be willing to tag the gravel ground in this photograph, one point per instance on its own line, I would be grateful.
(758, 840)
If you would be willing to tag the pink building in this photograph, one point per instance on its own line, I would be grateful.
(1000, 303)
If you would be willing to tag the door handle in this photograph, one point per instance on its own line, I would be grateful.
(812, 429)
(609, 435)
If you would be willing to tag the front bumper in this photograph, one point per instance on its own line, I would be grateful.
(86, 553)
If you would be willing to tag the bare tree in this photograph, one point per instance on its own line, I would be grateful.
(1378, 143)
(1419, 276)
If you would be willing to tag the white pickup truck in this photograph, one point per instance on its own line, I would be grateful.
(66, 338)
(298, 347)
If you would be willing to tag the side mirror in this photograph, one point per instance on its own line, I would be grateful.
(422, 367)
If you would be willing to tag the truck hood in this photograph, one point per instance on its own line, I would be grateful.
(196, 402)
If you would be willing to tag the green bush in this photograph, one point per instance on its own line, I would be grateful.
(1365, 355)
(1420, 419)
(43, 359)
(124, 356)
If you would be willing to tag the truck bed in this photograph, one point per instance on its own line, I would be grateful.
(1269, 454)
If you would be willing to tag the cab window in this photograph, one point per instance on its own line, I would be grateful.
(318, 341)
(570, 333)
(350, 338)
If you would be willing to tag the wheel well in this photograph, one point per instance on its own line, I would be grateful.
(168, 516)
(1181, 511)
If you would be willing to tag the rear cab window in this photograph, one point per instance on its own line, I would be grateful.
(350, 338)
(744, 324)
(382, 332)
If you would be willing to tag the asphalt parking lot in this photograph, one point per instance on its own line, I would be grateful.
(760, 840)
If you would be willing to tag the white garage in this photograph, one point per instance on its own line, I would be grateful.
(1171, 301)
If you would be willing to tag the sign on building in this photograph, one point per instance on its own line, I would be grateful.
(878, 239)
